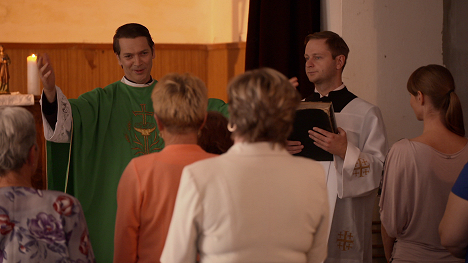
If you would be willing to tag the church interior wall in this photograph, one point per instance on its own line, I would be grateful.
(206, 38)
(388, 40)
(455, 50)
(89, 21)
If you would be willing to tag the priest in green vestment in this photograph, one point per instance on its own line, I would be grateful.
(92, 139)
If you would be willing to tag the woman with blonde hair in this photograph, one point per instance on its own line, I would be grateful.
(420, 172)
(256, 202)
(148, 186)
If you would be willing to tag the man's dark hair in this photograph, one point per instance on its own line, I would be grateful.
(131, 30)
(335, 43)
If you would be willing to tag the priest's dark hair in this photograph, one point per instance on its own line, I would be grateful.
(437, 83)
(17, 136)
(335, 43)
(262, 106)
(131, 30)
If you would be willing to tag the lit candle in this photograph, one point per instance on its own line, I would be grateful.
(33, 76)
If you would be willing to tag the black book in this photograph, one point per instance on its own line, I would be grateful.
(309, 115)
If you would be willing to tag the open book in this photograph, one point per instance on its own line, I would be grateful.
(309, 115)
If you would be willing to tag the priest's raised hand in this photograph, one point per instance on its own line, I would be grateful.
(47, 75)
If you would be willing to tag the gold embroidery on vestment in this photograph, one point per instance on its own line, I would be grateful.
(345, 240)
(361, 168)
(145, 129)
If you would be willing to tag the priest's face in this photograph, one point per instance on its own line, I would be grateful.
(136, 59)
(320, 66)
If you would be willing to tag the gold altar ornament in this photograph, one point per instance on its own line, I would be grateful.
(4, 73)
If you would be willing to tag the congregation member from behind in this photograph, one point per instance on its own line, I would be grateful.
(420, 172)
(148, 187)
(453, 228)
(214, 137)
(256, 202)
(35, 225)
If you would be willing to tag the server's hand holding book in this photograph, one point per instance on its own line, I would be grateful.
(309, 115)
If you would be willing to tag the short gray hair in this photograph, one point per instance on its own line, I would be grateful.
(17, 136)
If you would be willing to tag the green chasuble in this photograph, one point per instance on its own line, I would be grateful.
(110, 127)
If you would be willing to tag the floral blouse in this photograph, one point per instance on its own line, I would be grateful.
(42, 226)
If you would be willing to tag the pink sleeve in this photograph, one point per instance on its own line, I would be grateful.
(127, 221)
(396, 204)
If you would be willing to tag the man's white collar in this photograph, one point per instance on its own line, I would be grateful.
(337, 89)
(133, 84)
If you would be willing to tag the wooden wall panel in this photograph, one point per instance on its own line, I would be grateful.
(180, 61)
(225, 62)
(82, 67)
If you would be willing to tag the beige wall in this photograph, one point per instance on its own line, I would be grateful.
(388, 40)
(90, 21)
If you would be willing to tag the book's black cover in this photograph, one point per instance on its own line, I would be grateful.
(308, 116)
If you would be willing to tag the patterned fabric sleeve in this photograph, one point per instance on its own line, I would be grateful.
(42, 226)
(62, 132)
(75, 228)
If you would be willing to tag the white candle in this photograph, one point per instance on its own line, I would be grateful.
(33, 76)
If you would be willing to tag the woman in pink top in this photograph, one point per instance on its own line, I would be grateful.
(420, 172)
(148, 186)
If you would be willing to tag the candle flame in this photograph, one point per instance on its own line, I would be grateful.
(32, 58)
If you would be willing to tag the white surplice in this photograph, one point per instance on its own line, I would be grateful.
(352, 183)
(63, 126)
